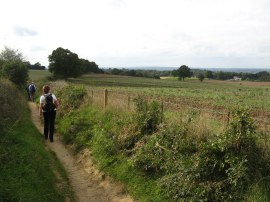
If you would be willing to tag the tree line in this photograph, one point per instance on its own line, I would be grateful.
(184, 72)
(137, 72)
(62, 63)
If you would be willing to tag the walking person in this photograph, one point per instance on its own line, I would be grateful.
(32, 90)
(48, 105)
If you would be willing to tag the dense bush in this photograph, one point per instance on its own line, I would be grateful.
(145, 121)
(220, 168)
(71, 97)
(16, 71)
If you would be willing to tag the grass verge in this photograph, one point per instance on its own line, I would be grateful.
(28, 172)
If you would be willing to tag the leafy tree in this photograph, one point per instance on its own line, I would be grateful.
(9, 54)
(13, 66)
(209, 74)
(87, 67)
(263, 76)
(183, 72)
(201, 77)
(64, 63)
(16, 71)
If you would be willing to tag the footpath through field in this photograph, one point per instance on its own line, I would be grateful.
(87, 182)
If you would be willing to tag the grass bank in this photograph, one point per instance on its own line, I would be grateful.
(28, 172)
(160, 157)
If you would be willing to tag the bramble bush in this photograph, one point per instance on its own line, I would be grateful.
(145, 121)
(219, 168)
(71, 96)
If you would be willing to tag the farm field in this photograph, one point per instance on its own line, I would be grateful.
(211, 96)
(208, 94)
(36, 75)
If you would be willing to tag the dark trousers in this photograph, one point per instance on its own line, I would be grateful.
(49, 118)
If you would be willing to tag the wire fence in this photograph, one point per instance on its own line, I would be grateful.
(121, 100)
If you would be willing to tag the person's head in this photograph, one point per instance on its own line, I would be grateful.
(46, 89)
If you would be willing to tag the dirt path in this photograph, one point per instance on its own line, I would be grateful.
(89, 184)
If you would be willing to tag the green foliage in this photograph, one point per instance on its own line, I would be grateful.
(8, 55)
(13, 67)
(163, 152)
(71, 97)
(87, 67)
(146, 120)
(219, 168)
(223, 168)
(102, 128)
(64, 63)
(201, 77)
(15, 71)
(148, 116)
(183, 72)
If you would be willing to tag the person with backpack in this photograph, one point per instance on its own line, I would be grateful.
(32, 90)
(48, 106)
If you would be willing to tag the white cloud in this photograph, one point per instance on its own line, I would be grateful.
(213, 33)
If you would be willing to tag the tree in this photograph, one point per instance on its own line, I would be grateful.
(183, 72)
(64, 63)
(87, 67)
(209, 74)
(13, 66)
(201, 77)
(16, 71)
(9, 54)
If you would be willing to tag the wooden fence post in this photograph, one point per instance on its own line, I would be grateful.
(105, 98)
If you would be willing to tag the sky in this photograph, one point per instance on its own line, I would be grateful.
(141, 33)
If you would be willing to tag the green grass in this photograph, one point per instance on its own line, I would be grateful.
(28, 171)
(93, 128)
(37, 75)
(27, 167)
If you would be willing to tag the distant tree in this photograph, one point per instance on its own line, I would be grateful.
(36, 66)
(201, 77)
(263, 76)
(87, 67)
(116, 71)
(183, 72)
(209, 74)
(175, 73)
(64, 63)
(131, 72)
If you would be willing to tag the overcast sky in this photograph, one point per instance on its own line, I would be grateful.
(124, 33)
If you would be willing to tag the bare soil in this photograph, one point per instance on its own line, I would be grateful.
(88, 183)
